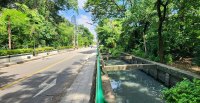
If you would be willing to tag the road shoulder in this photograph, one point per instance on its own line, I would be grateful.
(80, 90)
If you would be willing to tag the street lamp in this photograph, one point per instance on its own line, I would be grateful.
(73, 20)
(81, 32)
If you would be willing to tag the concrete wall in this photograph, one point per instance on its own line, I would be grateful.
(15, 58)
(163, 73)
(24, 57)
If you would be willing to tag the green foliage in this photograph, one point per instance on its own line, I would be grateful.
(36, 23)
(103, 49)
(44, 49)
(109, 32)
(169, 59)
(3, 52)
(184, 92)
(99, 8)
(85, 38)
(29, 50)
(15, 51)
(135, 26)
(141, 53)
(64, 47)
(115, 52)
(138, 52)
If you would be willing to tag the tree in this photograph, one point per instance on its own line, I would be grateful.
(161, 15)
(13, 21)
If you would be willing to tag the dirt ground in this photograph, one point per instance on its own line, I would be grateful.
(186, 64)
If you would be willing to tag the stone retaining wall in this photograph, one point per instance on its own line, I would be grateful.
(163, 73)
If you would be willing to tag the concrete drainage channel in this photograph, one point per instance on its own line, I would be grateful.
(137, 80)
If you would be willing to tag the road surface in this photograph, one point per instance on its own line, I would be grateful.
(42, 81)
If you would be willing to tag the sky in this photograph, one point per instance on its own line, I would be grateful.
(82, 18)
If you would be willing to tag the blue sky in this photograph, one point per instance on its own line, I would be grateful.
(82, 18)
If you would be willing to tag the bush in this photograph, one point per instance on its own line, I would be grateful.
(138, 52)
(64, 47)
(3, 52)
(169, 59)
(44, 49)
(15, 51)
(157, 59)
(22, 51)
(103, 49)
(115, 52)
(184, 92)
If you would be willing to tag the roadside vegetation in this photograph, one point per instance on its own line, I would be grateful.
(184, 92)
(37, 24)
(166, 31)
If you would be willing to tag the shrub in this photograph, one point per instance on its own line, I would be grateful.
(157, 59)
(103, 49)
(115, 52)
(15, 51)
(169, 59)
(44, 49)
(151, 57)
(64, 47)
(185, 91)
(138, 52)
(3, 52)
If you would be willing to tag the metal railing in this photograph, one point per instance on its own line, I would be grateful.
(99, 90)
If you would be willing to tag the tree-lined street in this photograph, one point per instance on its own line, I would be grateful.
(42, 81)
(163, 31)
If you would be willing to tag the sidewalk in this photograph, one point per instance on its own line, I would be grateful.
(81, 89)
(6, 64)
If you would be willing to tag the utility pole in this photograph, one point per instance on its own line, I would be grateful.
(73, 20)
(9, 33)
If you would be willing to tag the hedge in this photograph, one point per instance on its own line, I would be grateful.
(29, 50)
(184, 92)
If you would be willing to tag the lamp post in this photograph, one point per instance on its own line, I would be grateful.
(73, 20)
(81, 32)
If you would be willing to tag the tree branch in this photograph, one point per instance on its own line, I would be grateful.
(158, 4)
(119, 9)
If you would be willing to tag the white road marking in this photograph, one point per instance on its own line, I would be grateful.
(48, 86)
(43, 84)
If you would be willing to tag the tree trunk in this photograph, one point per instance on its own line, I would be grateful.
(160, 41)
(9, 33)
(144, 38)
(161, 16)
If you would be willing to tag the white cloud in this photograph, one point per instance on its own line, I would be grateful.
(81, 3)
(85, 20)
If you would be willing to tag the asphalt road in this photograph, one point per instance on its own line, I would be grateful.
(42, 81)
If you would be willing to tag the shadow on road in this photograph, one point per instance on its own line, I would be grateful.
(88, 52)
(24, 93)
(6, 79)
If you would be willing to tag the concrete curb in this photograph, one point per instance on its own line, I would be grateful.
(7, 64)
(81, 89)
